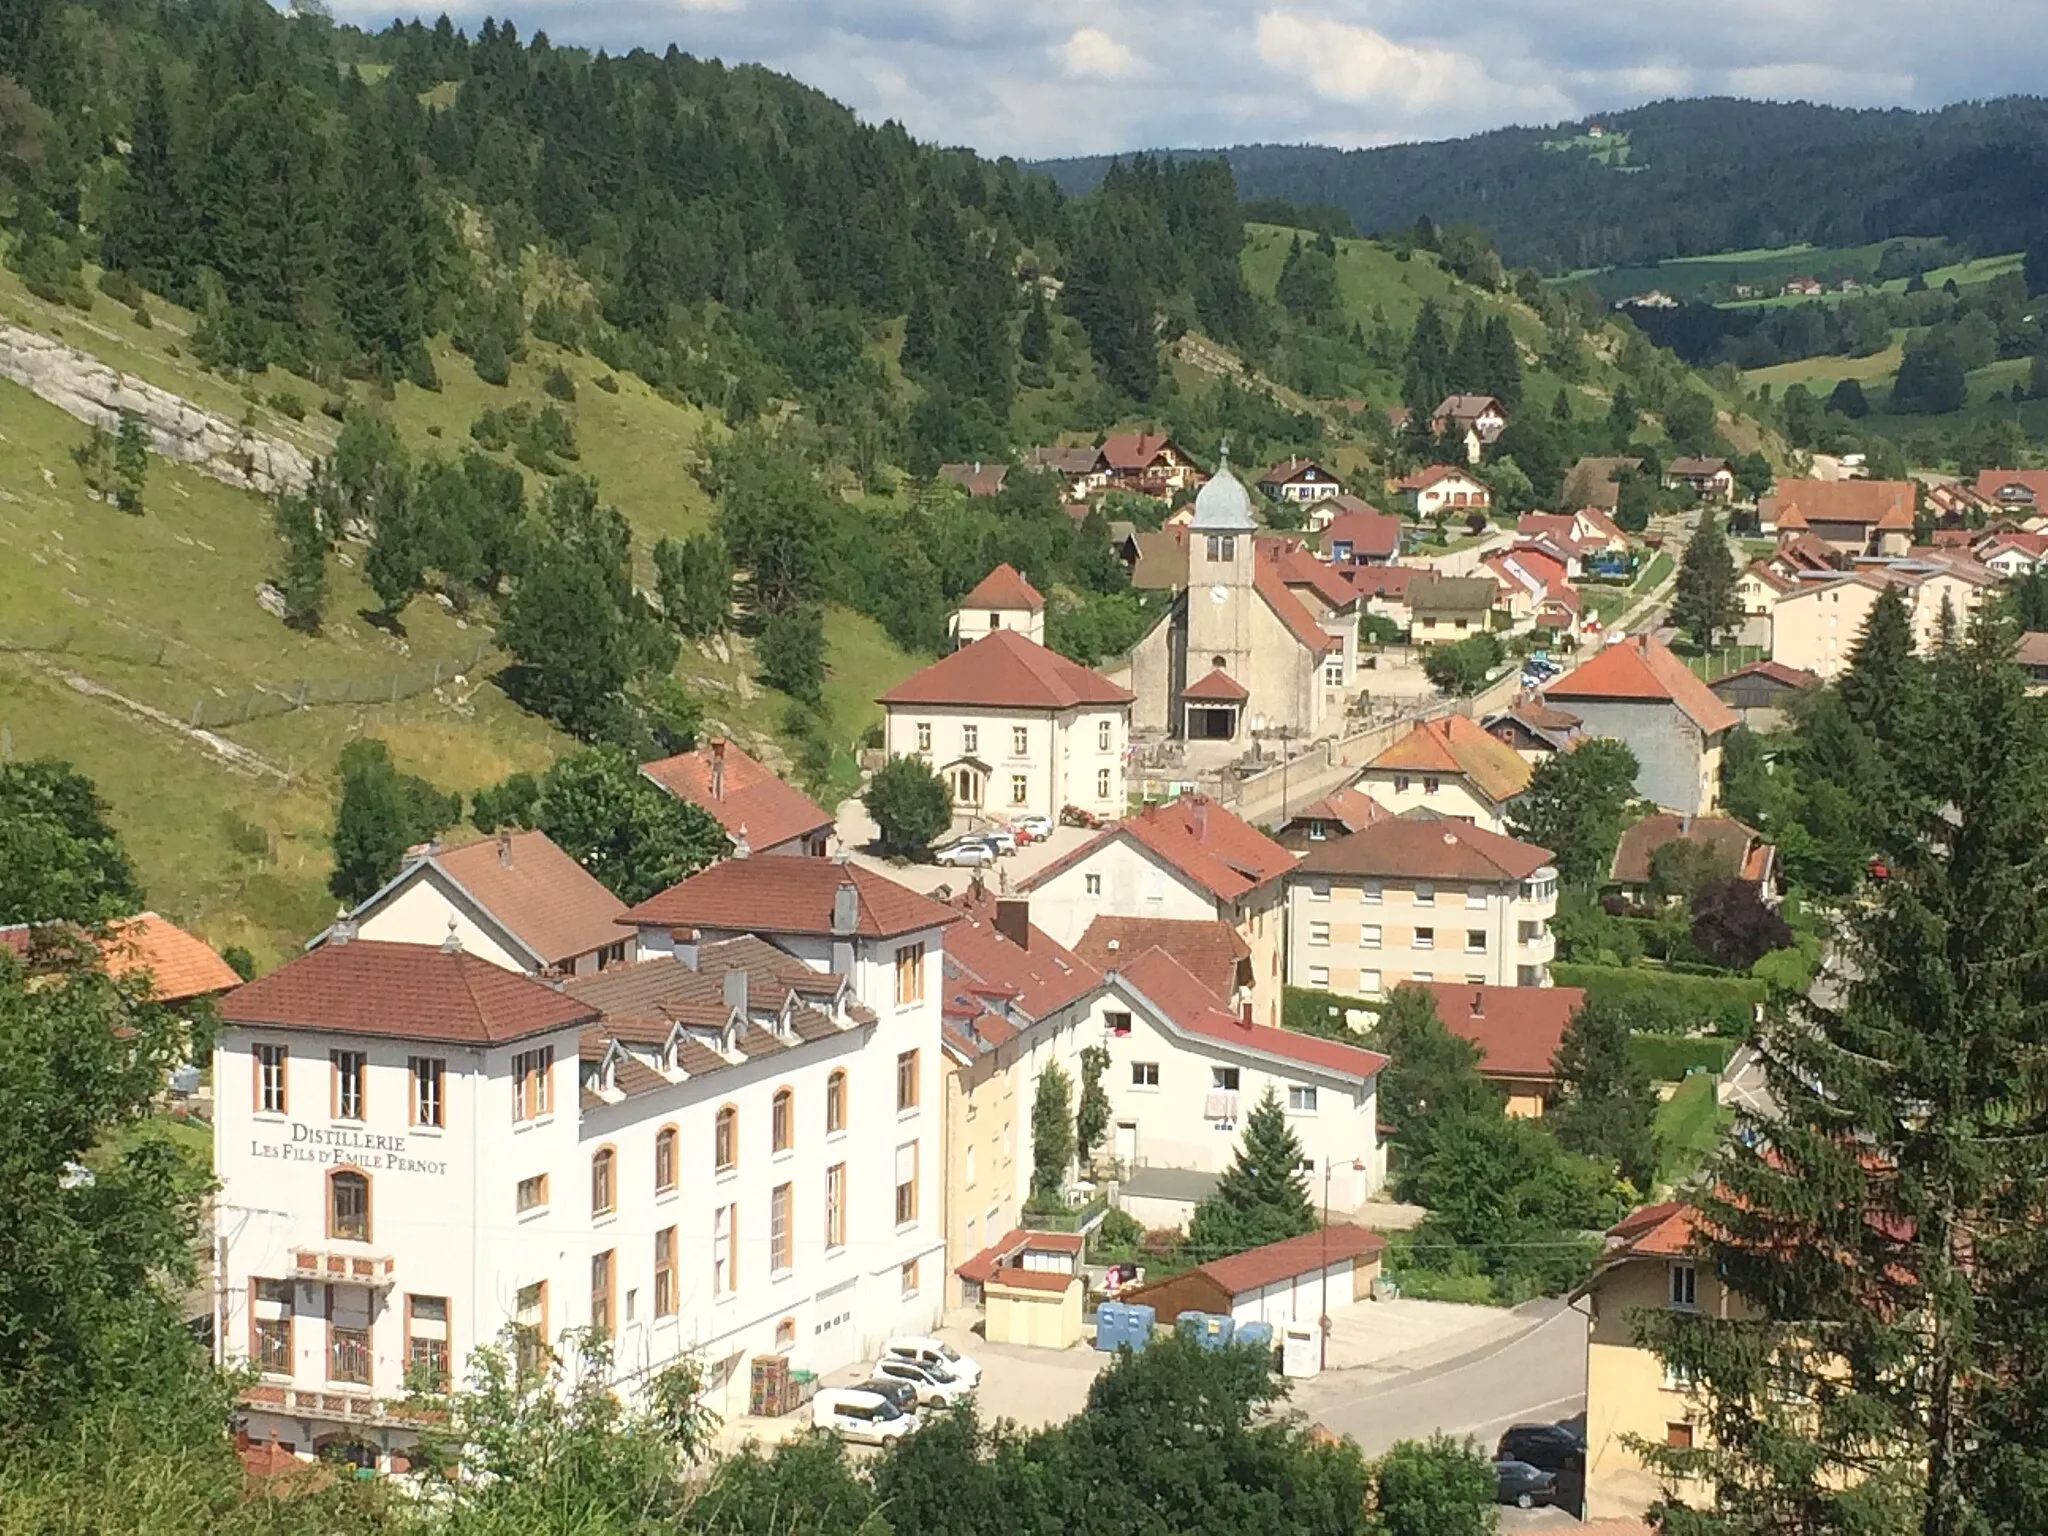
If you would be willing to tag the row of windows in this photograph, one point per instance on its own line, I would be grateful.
(1423, 938)
(348, 1086)
(1369, 983)
(1301, 1098)
(273, 1313)
(1422, 895)
(1020, 738)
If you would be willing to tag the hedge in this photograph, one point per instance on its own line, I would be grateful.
(1673, 1000)
(1667, 1058)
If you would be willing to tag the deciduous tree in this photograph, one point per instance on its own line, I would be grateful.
(910, 805)
(1576, 805)
(632, 835)
(60, 859)
(1609, 1105)
(1431, 1076)
(1052, 1133)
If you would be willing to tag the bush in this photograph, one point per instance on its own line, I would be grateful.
(287, 403)
(558, 383)
(120, 287)
(1675, 1001)
(1668, 1058)
(607, 382)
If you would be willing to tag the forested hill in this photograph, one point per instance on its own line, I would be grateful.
(1690, 177)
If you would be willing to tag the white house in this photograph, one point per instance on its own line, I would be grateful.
(1300, 481)
(1448, 767)
(1002, 599)
(1189, 859)
(1441, 488)
(514, 899)
(730, 1151)
(1014, 728)
(1422, 901)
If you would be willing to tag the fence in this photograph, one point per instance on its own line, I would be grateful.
(224, 709)
(1720, 663)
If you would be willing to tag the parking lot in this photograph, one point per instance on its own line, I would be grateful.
(856, 831)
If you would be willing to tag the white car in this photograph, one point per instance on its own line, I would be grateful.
(1037, 828)
(1002, 839)
(967, 853)
(934, 1388)
(930, 1352)
(867, 1418)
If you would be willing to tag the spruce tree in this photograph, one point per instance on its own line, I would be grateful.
(1034, 345)
(1431, 1076)
(1427, 377)
(1468, 353)
(1704, 602)
(1561, 407)
(1260, 1197)
(1878, 1367)
(384, 284)
(146, 230)
(1882, 682)
(1622, 414)
(1500, 362)
(302, 574)
(131, 462)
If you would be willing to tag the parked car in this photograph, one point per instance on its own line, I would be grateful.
(901, 1393)
(930, 1352)
(1002, 839)
(1559, 1449)
(965, 853)
(854, 1413)
(1522, 1485)
(934, 1387)
(1032, 828)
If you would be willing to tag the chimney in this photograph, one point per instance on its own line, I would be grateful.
(344, 927)
(1200, 804)
(1685, 825)
(1478, 1005)
(718, 767)
(1245, 1013)
(1013, 921)
(736, 992)
(845, 910)
(505, 846)
(740, 846)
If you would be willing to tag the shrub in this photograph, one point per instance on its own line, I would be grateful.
(1668, 1058)
(1675, 1001)
(120, 287)
(607, 382)
(287, 403)
(559, 384)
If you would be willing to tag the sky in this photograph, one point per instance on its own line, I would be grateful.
(1037, 78)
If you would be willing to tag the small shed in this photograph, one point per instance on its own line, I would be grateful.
(1038, 1308)
(1164, 1197)
(1279, 1283)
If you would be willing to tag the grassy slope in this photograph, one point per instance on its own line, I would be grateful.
(162, 608)
(1687, 1128)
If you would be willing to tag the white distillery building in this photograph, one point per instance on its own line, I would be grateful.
(730, 1150)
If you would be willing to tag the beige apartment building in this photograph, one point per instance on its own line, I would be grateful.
(1420, 901)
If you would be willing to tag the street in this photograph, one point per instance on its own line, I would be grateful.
(1535, 1375)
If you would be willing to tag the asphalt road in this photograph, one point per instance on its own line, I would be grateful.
(1536, 1375)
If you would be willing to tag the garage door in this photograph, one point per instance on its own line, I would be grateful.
(835, 1332)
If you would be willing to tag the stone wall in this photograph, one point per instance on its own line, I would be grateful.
(82, 386)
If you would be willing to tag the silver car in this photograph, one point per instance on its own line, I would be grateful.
(967, 853)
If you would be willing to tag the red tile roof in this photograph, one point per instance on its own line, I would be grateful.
(1272, 586)
(545, 899)
(1212, 951)
(1219, 687)
(1293, 1256)
(1350, 808)
(1776, 671)
(1517, 1029)
(1872, 503)
(1223, 854)
(1389, 581)
(1292, 469)
(976, 479)
(1459, 744)
(405, 991)
(179, 965)
(998, 1254)
(1368, 533)
(1444, 849)
(1991, 481)
(1429, 475)
(1724, 836)
(1188, 1006)
(750, 794)
(1043, 978)
(1128, 451)
(785, 895)
(1004, 587)
(1299, 568)
(1662, 1231)
(1004, 670)
(1644, 668)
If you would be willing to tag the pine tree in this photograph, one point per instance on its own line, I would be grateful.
(1500, 362)
(1431, 1076)
(1035, 344)
(146, 229)
(1260, 1197)
(1704, 602)
(1622, 415)
(1468, 353)
(694, 581)
(1609, 1108)
(302, 576)
(1877, 1366)
(1427, 377)
(1561, 407)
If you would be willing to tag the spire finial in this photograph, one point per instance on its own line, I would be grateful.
(1223, 457)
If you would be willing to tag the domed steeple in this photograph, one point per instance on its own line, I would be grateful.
(1222, 505)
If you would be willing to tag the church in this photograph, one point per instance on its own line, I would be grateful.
(1240, 652)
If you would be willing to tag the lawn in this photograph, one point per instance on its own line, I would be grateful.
(1688, 1127)
(1821, 374)
(1647, 579)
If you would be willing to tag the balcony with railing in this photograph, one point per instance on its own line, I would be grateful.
(343, 1268)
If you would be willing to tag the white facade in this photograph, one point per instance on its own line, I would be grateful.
(973, 622)
(426, 910)
(1178, 1100)
(495, 1216)
(1457, 492)
(1000, 762)
(1299, 1298)
(1403, 791)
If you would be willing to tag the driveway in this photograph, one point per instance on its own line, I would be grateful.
(856, 833)
(1528, 1366)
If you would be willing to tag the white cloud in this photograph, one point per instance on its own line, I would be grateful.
(1352, 63)
(1091, 53)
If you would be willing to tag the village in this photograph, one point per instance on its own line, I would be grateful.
(824, 1119)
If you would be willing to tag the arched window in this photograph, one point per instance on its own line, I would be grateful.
(348, 1205)
(1219, 663)
(725, 1140)
(782, 1120)
(604, 1192)
(835, 1103)
(665, 1160)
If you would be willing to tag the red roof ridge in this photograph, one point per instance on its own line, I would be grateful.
(1642, 667)
(1007, 670)
(1004, 587)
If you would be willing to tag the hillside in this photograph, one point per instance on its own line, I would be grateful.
(1699, 176)
(162, 610)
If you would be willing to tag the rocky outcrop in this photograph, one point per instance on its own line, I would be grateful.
(81, 385)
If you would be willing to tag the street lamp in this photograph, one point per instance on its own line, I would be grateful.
(1323, 1332)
